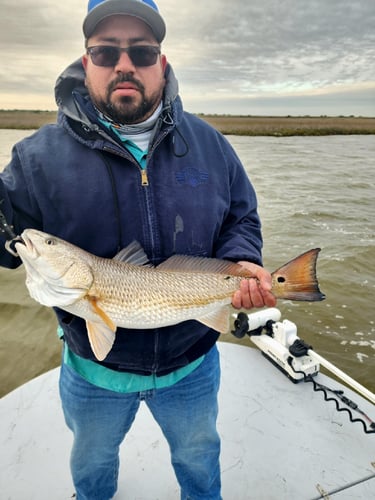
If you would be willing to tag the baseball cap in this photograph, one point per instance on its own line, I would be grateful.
(146, 10)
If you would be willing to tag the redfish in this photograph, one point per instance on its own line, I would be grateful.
(128, 292)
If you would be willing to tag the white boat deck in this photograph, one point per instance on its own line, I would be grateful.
(280, 441)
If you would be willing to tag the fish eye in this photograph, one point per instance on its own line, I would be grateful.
(50, 241)
(281, 279)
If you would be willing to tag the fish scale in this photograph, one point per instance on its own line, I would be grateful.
(157, 297)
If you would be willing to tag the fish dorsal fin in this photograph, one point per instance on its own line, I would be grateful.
(217, 320)
(133, 254)
(202, 265)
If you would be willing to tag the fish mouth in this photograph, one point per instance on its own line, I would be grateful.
(11, 245)
(25, 245)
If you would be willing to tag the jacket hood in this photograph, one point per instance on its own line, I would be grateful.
(72, 81)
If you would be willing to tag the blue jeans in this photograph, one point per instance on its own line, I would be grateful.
(186, 413)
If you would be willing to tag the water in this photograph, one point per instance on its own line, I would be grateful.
(319, 192)
(312, 192)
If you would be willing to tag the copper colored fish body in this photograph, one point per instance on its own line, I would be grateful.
(127, 292)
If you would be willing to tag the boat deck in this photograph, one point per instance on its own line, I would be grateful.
(280, 441)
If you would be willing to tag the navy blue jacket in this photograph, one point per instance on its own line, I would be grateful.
(76, 181)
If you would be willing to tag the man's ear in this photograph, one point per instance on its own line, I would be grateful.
(84, 61)
(164, 62)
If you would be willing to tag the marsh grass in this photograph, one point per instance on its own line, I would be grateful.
(290, 125)
(278, 126)
(25, 120)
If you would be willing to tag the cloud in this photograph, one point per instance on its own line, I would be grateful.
(316, 103)
(42, 25)
(37, 40)
(270, 40)
(222, 53)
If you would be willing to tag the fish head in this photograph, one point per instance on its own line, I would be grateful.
(57, 272)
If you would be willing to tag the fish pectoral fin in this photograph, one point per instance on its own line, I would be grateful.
(217, 320)
(102, 333)
(93, 300)
(101, 338)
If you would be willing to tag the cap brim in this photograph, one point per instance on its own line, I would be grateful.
(125, 7)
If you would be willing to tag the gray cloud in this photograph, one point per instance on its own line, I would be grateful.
(42, 25)
(282, 33)
(224, 53)
(37, 40)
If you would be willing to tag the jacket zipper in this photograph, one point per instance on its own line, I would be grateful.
(144, 176)
(129, 156)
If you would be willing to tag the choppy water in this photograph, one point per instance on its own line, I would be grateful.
(313, 192)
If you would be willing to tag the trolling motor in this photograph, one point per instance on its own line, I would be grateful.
(278, 342)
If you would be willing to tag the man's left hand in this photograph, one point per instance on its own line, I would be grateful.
(255, 291)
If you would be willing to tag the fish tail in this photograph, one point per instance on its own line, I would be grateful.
(297, 279)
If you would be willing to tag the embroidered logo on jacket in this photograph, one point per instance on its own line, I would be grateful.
(192, 177)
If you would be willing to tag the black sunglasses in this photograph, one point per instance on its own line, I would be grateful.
(109, 55)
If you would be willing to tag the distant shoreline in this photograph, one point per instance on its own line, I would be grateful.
(276, 126)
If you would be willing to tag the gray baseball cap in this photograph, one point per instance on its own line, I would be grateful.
(146, 10)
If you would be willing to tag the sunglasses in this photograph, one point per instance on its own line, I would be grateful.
(109, 55)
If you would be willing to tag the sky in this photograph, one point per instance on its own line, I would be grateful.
(247, 57)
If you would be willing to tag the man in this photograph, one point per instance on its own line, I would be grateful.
(123, 163)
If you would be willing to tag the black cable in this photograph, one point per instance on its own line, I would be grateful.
(339, 394)
(185, 143)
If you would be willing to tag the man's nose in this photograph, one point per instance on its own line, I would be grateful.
(124, 64)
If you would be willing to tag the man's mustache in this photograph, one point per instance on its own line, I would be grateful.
(125, 78)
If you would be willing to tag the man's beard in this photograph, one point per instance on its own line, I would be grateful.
(125, 110)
